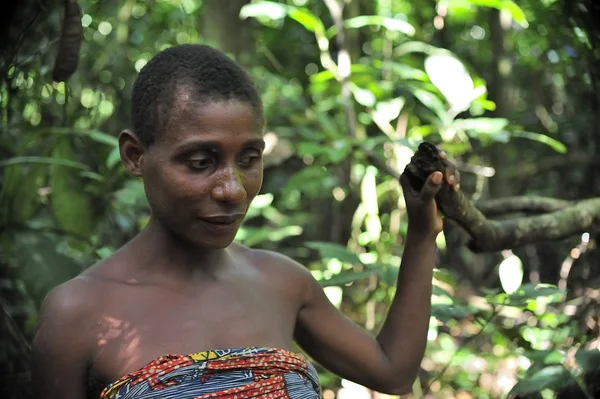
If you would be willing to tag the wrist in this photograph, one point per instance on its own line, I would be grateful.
(422, 234)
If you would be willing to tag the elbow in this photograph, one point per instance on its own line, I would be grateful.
(399, 385)
(399, 391)
(396, 390)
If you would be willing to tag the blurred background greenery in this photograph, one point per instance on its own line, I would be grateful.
(508, 90)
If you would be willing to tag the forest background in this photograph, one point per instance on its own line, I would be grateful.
(351, 88)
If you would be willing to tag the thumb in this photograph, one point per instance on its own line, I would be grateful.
(432, 186)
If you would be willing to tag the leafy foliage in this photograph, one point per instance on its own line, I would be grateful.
(500, 85)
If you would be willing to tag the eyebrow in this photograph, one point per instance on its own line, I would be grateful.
(212, 144)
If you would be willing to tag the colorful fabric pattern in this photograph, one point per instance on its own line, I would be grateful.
(223, 374)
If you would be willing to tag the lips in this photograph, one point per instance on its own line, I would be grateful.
(222, 219)
(221, 223)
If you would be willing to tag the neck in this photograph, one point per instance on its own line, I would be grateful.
(162, 251)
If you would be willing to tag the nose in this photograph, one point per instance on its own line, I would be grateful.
(230, 187)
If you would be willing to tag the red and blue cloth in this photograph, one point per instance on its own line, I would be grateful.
(253, 372)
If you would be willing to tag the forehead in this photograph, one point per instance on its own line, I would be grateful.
(191, 119)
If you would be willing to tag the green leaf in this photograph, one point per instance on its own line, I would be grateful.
(433, 102)
(363, 96)
(275, 11)
(525, 293)
(45, 160)
(510, 272)
(392, 24)
(588, 360)
(387, 111)
(307, 19)
(541, 138)
(19, 197)
(345, 278)
(549, 377)
(52, 161)
(268, 9)
(516, 12)
(113, 158)
(329, 250)
(446, 312)
(96, 135)
(481, 125)
(355, 69)
(439, 291)
(71, 206)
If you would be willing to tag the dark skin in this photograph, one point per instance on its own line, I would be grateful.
(182, 286)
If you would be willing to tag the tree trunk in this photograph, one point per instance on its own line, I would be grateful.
(222, 27)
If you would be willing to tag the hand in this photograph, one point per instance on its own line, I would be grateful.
(423, 214)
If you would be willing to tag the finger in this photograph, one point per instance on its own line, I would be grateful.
(407, 188)
(432, 186)
(452, 177)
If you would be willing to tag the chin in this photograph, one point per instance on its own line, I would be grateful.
(211, 243)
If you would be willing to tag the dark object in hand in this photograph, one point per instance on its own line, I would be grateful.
(428, 159)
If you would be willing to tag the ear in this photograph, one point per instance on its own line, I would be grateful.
(132, 152)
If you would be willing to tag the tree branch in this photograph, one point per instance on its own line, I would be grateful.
(533, 204)
(564, 219)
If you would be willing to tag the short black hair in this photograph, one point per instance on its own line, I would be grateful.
(207, 72)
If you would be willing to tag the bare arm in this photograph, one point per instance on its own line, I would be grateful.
(387, 363)
(60, 349)
(390, 362)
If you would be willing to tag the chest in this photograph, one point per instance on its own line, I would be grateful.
(140, 324)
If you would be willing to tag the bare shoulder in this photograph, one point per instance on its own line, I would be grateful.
(293, 278)
(68, 303)
(64, 340)
(275, 262)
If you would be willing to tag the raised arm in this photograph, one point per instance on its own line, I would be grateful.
(390, 362)
(60, 347)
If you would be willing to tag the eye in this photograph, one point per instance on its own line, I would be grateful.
(249, 159)
(200, 163)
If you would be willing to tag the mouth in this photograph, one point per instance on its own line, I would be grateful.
(221, 223)
(221, 219)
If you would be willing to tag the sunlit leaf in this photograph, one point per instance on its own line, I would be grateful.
(307, 19)
(452, 79)
(268, 9)
(392, 24)
(387, 111)
(432, 102)
(363, 96)
(334, 294)
(515, 11)
(481, 125)
(355, 69)
(510, 272)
